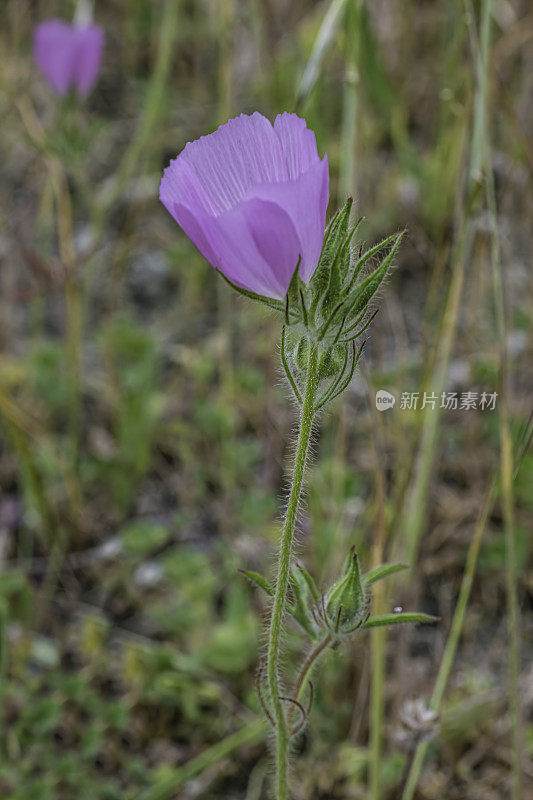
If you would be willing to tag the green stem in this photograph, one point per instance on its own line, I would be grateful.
(507, 468)
(73, 336)
(350, 115)
(414, 516)
(155, 108)
(165, 788)
(278, 608)
(454, 636)
(308, 665)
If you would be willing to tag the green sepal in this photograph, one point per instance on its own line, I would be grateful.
(336, 275)
(293, 294)
(271, 302)
(368, 254)
(301, 353)
(383, 571)
(330, 390)
(259, 580)
(300, 609)
(338, 389)
(310, 582)
(333, 237)
(361, 295)
(330, 361)
(348, 254)
(395, 619)
(286, 367)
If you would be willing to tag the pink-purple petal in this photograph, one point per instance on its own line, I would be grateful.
(239, 155)
(196, 225)
(53, 53)
(90, 46)
(255, 245)
(253, 199)
(298, 143)
(236, 240)
(68, 56)
(275, 237)
(181, 184)
(305, 200)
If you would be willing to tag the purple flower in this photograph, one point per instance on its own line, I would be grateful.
(252, 197)
(68, 56)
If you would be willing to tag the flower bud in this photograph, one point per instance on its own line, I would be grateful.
(301, 353)
(331, 360)
(69, 56)
(345, 605)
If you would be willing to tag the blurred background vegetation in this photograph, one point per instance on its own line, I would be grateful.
(145, 430)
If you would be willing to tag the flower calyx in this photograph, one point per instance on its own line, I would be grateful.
(345, 607)
(330, 312)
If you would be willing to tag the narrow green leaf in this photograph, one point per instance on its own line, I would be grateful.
(288, 373)
(310, 582)
(368, 254)
(305, 318)
(382, 572)
(395, 619)
(277, 305)
(300, 610)
(293, 290)
(364, 292)
(259, 580)
(323, 330)
(336, 276)
(333, 237)
(347, 260)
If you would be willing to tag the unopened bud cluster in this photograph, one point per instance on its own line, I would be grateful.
(330, 312)
(344, 607)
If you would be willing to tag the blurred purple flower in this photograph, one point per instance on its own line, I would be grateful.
(252, 197)
(69, 56)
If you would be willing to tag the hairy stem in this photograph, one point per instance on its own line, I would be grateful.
(278, 608)
(308, 665)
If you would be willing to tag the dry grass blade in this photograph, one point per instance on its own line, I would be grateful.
(324, 40)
